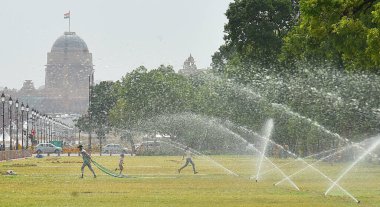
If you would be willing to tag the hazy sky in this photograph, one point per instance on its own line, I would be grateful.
(120, 34)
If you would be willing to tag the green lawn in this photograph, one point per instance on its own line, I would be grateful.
(154, 181)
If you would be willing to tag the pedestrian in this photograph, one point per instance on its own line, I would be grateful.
(121, 163)
(188, 155)
(86, 160)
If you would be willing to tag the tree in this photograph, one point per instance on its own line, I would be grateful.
(254, 34)
(345, 33)
(143, 95)
(83, 123)
(103, 99)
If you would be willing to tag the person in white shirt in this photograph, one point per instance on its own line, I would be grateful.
(188, 155)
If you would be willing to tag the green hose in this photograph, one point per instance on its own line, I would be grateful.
(107, 171)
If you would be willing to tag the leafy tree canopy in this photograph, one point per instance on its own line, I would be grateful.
(254, 34)
(344, 32)
(144, 94)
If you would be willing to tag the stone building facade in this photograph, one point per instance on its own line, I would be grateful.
(68, 74)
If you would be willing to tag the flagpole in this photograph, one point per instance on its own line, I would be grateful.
(69, 20)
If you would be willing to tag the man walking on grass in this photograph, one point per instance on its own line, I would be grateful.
(188, 160)
(86, 160)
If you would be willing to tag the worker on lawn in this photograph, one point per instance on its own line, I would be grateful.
(86, 160)
(188, 155)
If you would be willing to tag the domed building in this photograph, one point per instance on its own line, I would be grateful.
(69, 66)
(69, 63)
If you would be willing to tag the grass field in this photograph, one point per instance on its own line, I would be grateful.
(154, 181)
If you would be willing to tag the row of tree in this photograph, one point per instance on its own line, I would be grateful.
(286, 60)
(306, 114)
(277, 34)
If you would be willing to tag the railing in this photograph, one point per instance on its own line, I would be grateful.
(15, 154)
(69, 151)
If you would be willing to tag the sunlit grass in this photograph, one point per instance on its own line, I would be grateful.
(154, 181)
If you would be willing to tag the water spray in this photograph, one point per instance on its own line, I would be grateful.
(335, 183)
(267, 133)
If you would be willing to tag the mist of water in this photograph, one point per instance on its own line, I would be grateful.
(266, 134)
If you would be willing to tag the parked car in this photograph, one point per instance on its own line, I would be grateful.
(114, 149)
(146, 147)
(47, 148)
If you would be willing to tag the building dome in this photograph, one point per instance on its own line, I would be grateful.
(69, 42)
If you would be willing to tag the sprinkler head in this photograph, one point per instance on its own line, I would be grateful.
(358, 201)
(256, 180)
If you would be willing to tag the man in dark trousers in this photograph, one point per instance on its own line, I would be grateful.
(86, 160)
(188, 155)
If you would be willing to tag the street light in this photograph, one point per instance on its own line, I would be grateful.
(35, 125)
(27, 126)
(16, 105)
(3, 101)
(44, 122)
(40, 117)
(32, 112)
(22, 125)
(48, 128)
(40, 127)
(33, 121)
(90, 83)
(51, 128)
(10, 101)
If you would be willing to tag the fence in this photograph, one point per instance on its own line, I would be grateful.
(15, 154)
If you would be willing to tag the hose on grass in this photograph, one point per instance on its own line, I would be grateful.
(108, 171)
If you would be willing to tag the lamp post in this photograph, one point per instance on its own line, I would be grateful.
(16, 105)
(36, 126)
(44, 125)
(27, 126)
(51, 128)
(40, 125)
(3, 101)
(10, 101)
(90, 79)
(22, 125)
(33, 121)
(48, 128)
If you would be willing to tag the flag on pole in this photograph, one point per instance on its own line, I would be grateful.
(66, 15)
